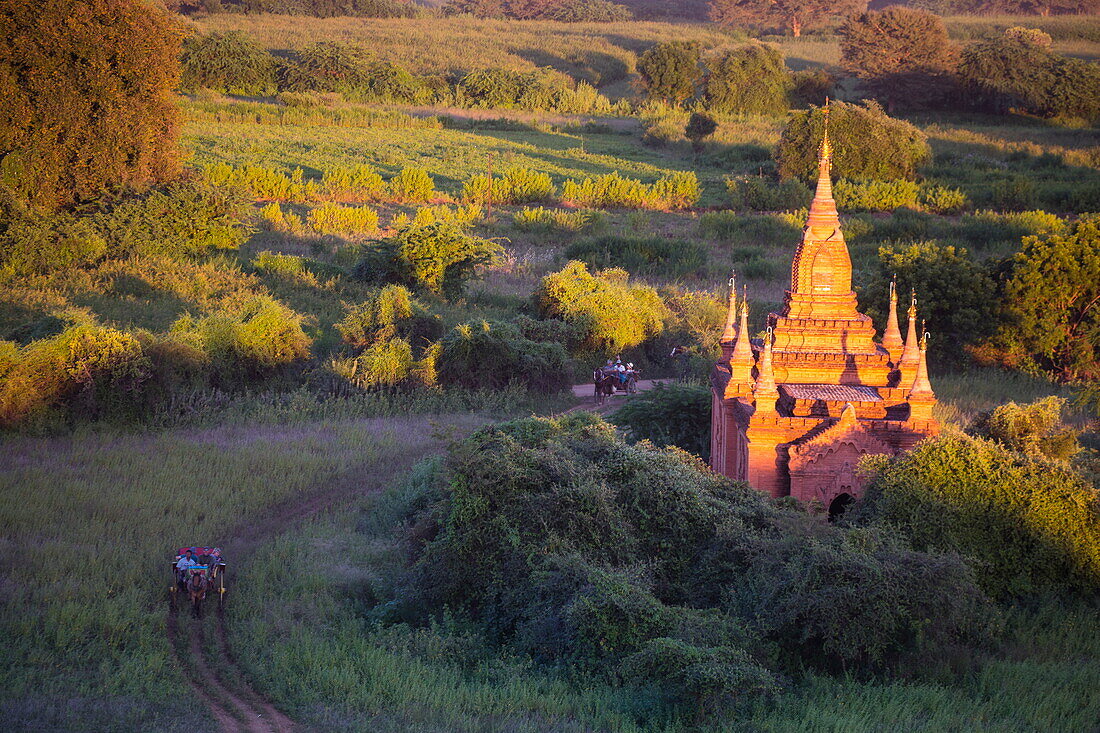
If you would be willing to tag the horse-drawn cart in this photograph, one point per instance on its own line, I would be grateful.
(197, 571)
(608, 381)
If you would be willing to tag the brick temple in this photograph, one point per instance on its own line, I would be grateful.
(794, 411)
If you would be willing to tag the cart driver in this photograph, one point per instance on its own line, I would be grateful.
(186, 562)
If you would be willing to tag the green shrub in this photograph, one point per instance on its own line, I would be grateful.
(670, 70)
(875, 195)
(384, 363)
(653, 255)
(494, 354)
(1034, 430)
(1051, 296)
(1027, 522)
(282, 265)
(677, 191)
(412, 186)
(330, 66)
(359, 183)
(386, 313)
(587, 11)
(437, 257)
(253, 335)
(515, 186)
(335, 219)
(867, 144)
(610, 312)
(85, 367)
(748, 79)
(943, 200)
(552, 220)
(729, 226)
(490, 88)
(675, 414)
(263, 183)
(228, 62)
(273, 218)
(699, 127)
(1013, 193)
(811, 87)
(758, 194)
(33, 242)
(424, 215)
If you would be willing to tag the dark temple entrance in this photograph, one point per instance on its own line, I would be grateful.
(839, 505)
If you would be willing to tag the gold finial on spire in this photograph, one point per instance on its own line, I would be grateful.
(921, 391)
(741, 356)
(731, 314)
(910, 356)
(823, 214)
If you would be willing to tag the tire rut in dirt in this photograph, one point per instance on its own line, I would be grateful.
(222, 715)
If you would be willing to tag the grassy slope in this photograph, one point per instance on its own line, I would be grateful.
(88, 524)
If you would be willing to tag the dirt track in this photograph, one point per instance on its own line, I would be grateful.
(204, 655)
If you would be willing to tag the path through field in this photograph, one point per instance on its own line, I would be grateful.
(201, 646)
(585, 392)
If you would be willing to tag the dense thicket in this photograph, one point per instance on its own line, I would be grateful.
(670, 70)
(642, 567)
(229, 62)
(1029, 522)
(565, 11)
(89, 98)
(670, 415)
(321, 8)
(868, 144)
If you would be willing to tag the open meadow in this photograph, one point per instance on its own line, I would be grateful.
(330, 319)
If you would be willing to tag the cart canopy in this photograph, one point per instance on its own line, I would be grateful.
(214, 552)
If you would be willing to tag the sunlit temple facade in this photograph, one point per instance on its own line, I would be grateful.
(793, 412)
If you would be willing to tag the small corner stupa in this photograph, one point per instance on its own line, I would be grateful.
(793, 412)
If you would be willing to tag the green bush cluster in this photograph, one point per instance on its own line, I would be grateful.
(385, 313)
(702, 598)
(439, 258)
(182, 220)
(670, 415)
(875, 195)
(641, 255)
(495, 354)
(424, 215)
(355, 73)
(676, 191)
(1028, 523)
(610, 312)
(541, 219)
(748, 79)
(540, 89)
(330, 218)
(516, 185)
(355, 184)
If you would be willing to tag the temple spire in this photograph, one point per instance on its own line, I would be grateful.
(741, 358)
(765, 391)
(910, 356)
(921, 397)
(891, 337)
(823, 213)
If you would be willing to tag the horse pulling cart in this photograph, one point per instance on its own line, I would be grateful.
(608, 381)
(197, 571)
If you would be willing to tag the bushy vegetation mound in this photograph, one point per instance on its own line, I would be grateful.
(748, 79)
(868, 144)
(492, 355)
(670, 415)
(1029, 522)
(227, 62)
(609, 311)
(89, 98)
(639, 566)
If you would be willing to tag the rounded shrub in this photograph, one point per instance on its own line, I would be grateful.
(230, 62)
(748, 79)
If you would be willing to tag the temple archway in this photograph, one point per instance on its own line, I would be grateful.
(839, 505)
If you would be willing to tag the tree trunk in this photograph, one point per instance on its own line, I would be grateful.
(796, 27)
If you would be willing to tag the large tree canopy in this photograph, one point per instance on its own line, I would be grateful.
(903, 56)
(89, 104)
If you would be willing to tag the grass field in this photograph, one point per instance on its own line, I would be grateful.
(88, 524)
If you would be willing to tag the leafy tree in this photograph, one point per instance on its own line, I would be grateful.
(955, 295)
(670, 70)
(89, 98)
(477, 8)
(794, 15)
(1053, 302)
(748, 79)
(228, 62)
(438, 257)
(612, 313)
(587, 11)
(1015, 71)
(903, 56)
(867, 144)
(699, 127)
